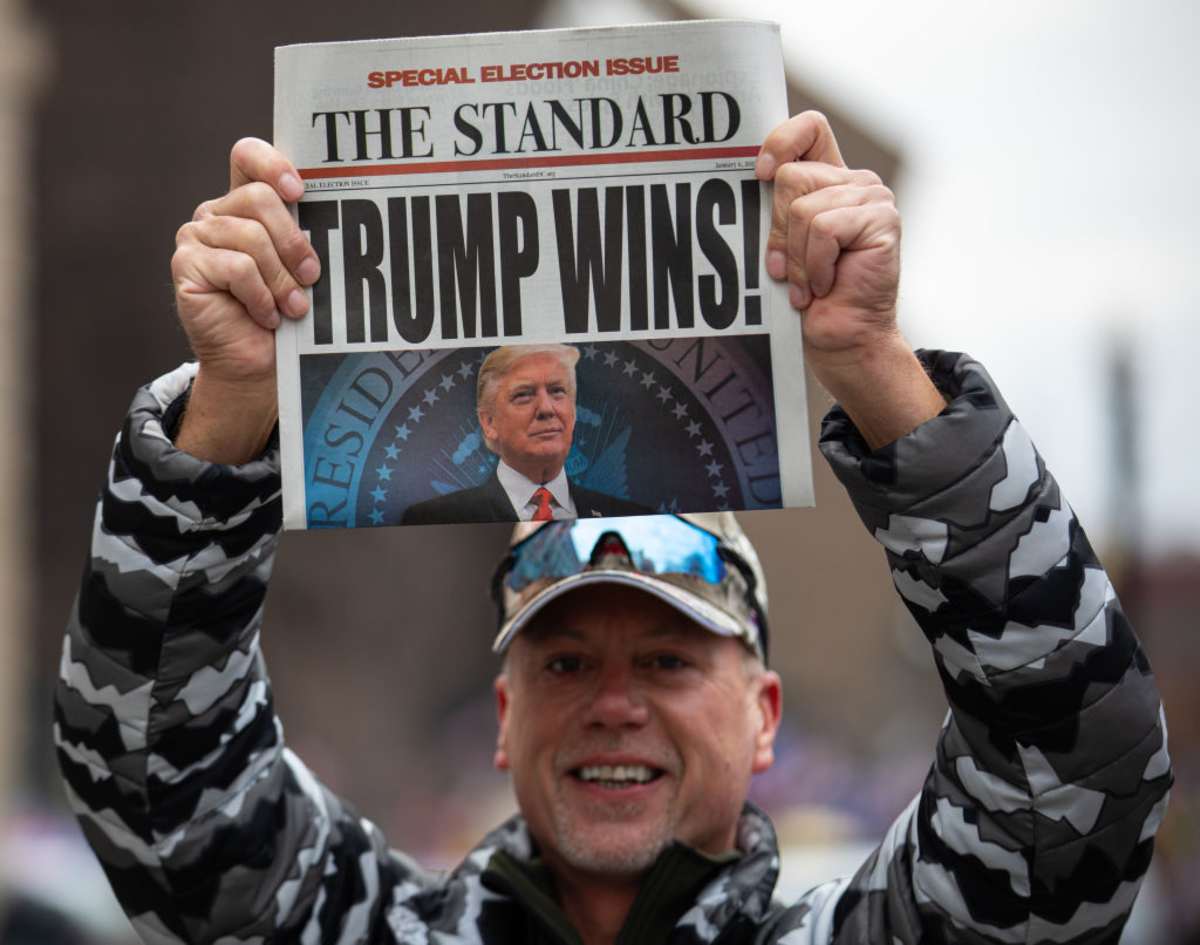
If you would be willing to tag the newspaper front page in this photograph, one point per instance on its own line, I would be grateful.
(589, 193)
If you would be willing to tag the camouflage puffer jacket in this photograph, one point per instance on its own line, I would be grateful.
(1035, 824)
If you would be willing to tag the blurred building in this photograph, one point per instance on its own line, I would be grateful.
(22, 58)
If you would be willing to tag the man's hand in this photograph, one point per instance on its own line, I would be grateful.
(835, 237)
(239, 264)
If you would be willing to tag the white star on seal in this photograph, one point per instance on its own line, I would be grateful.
(680, 410)
(415, 413)
(647, 379)
(720, 489)
(447, 382)
(705, 448)
(402, 433)
(693, 428)
(714, 468)
(376, 517)
(465, 370)
(630, 368)
(663, 395)
(590, 352)
(392, 452)
(431, 396)
(610, 359)
(384, 472)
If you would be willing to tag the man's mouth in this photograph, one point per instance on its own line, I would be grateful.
(616, 777)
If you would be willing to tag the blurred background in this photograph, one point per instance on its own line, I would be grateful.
(1043, 155)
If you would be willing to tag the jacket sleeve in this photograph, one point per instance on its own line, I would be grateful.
(1037, 819)
(173, 759)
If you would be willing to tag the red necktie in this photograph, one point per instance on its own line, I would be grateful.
(542, 513)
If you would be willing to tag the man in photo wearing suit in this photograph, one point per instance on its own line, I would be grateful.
(525, 400)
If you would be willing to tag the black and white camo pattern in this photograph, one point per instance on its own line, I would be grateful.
(1035, 824)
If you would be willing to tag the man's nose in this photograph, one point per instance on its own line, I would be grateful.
(617, 701)
(545, 404)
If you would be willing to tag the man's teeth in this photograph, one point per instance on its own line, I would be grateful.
(638, 774)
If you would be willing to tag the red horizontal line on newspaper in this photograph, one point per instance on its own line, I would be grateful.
(558, 160)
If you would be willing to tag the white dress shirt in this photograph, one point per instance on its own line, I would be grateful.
(520, 490)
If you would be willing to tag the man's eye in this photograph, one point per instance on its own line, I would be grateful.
(668, 661)
(561, 665)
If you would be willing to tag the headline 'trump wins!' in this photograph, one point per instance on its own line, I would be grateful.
(627, 258)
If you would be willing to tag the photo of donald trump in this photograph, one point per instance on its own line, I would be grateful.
(525, 404)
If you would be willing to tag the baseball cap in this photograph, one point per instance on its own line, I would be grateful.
(702, 564)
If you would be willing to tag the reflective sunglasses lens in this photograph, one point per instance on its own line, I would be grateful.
(657, 545)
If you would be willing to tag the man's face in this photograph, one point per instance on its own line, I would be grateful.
(531, 416)
(626, 726)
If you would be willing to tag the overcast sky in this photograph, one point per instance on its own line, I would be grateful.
(1050, 200)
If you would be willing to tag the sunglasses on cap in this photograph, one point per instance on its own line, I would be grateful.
(686, 566)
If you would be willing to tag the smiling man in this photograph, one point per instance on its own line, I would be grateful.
(634, 699)
(634, 706)
(525, 404)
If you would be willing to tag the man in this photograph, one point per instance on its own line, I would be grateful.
(634, 701)
(525, 402)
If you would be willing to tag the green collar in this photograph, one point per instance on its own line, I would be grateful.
(666, 892)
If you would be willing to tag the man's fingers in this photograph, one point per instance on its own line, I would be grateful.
(803, 210)
(259, 202)
(253, 159)
(803, 177)
(250, 237)
(803, 137)
(202, 270)
(796, 180)
(869, 226)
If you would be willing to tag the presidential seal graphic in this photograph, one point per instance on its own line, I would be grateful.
(667, 425)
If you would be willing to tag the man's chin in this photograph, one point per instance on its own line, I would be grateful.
(616, 851)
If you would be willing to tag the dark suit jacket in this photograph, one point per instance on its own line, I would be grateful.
(489, 503)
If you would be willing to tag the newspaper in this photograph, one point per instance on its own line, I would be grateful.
(590, 192)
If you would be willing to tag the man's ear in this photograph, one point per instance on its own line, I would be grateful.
(769, 702)
(502, 703)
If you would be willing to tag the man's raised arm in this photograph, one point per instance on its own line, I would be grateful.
(1036, 822)
(239, 263)
(173, 758)
(835, 238)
